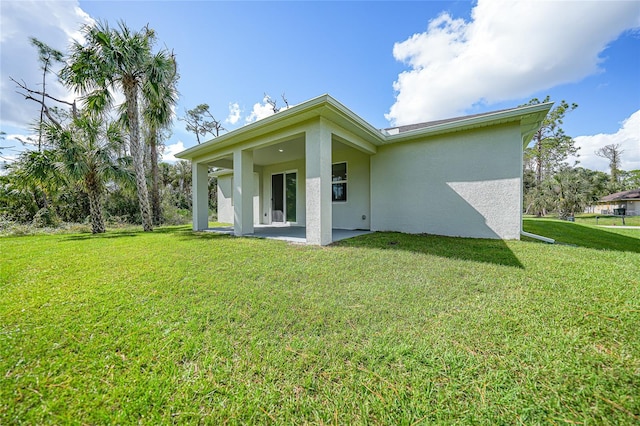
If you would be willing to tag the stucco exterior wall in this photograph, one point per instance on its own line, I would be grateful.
(225, 193)
(464, 184)
(349, 214)
(225, 198)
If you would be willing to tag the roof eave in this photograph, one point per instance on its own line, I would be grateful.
(529, 116)
(324, 105)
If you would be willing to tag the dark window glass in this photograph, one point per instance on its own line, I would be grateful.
(291, 180)
(339, 172)
(339, 179)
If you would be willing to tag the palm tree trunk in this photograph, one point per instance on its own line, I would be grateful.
(131, 94)
(95, 209)
(155, 190)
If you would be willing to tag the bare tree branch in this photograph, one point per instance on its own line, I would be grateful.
(23, 86)
(30, 96)
(271, 102)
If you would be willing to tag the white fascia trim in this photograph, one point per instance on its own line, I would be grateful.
(356, 120)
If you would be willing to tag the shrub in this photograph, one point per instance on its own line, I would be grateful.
(45, 218)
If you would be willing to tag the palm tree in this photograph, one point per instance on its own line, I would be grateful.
(116, 59)
(87, 153)
(160, 95)
(36, 173)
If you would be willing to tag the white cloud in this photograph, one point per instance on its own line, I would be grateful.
(264, 109)
(15, 139)
(508, 50)
(168, 155)
(11, 147)
(260, 111)
(234, 113)
(55, 23)
(628, 137)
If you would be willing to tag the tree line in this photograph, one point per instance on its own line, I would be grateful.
(91, 157)
(552, 185)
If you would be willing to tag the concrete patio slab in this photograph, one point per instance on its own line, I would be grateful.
(294, 234)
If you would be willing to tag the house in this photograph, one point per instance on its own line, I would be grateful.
(318, 165)
(625, 201)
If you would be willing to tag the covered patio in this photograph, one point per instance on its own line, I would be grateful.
(276, 176)
(293, 234)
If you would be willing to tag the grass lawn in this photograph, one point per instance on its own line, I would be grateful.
(590, 219)
(596, 219)
(181, 327)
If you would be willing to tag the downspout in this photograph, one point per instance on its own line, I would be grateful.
(537, 237)
(522, 231)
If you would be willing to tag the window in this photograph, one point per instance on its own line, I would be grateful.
(339, 182)
(291, 182)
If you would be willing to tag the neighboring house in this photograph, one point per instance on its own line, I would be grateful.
(627, 200)
(321, 166)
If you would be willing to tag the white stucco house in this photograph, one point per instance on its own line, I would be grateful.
(320, 166)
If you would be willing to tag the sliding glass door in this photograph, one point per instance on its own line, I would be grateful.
(283, 197)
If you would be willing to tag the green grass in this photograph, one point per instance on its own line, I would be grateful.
(586, 235)
(590, 219)
(182, 327)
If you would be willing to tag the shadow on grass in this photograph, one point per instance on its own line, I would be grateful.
(582, 235)
(99, 236)
(174, 229)
(129, 232)
(188, 234)
(476, 250)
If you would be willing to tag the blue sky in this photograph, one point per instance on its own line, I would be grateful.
(389, 62)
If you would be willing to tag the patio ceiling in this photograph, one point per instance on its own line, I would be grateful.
(281, 152)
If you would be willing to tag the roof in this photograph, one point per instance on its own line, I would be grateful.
(529, 117)
(633, 194)
(409, 127)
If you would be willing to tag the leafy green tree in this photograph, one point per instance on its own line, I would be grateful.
(597, 184)
(160, 96)
(120, 60)
(180, 178)
(36, 172)
(201, 122)
(631, 179)
(86, 153)
(548, 151)
(28, 186)
(569, 191)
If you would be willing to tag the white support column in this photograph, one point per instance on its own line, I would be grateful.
(242, 192)
(318, 184)
(200, 196)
